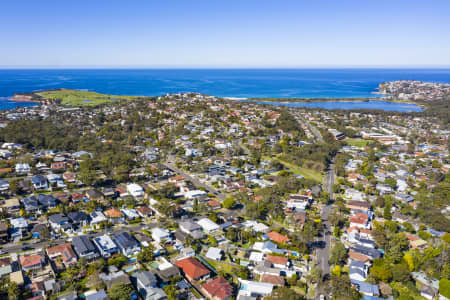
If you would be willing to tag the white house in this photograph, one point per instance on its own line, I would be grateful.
(97, 217)
(4, 185)
(256, 256)
(130, 213)
(23, 168)
(135, 190)
(106, 245)
(194, 194)
(208, 226)
(254, 289)
(214, 253)
(358, 270)
(160, 234)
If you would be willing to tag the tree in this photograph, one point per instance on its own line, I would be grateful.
(146, 254)
(315, 275)
(391, 182)
(410, 261)
(338, 254)
(229, 203)
(87, 171)
(387, 211)
(120, 291)
(382, 273)
(336, 270)
(283, 293)
(444, 287)
(171, 291)
(400, 272)
(9, 289)
(446, 237)
(340, 287)
(398, 245)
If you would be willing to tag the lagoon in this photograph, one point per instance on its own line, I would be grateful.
(350, 105)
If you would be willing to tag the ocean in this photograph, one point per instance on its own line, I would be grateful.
(240, 83)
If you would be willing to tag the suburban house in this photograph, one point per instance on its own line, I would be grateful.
(160, 234)
(277, 237)
(23, 168)
(11, 206)
(59, 222)
(214, 253)
(39, 182)
(84, 247)
(144, 211)
(192, 228)
(280, 262)
(358, 271)
(254, 289)
(135, 190)
(193, 269)
(105, 245)
(146, 284)
(358, 205)
(114, 215)
(79, 218)
(97, 217)
(32, 262)
(128, 244)
(19, 226)
(95, 195)
(65, 251)
(218, 289)
(208, 226)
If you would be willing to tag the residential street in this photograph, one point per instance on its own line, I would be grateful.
(313, 130)
(323, 254)
(195, 181)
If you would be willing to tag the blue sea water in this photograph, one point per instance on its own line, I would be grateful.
(243, 83)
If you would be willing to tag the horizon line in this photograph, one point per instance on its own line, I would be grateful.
(162, 67)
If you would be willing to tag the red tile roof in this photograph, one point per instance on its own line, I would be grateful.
(279, 260)
(278, 238)
(30, 260)
(273, 279)
(66, 252)
(114, 213)
(144, 210)
(218, 288)
(192, 268)
(357, 256)
(214, 203)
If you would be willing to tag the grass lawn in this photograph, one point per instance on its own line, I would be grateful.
(297, 170)
(82, 98)
(357, 142)
(219, 266)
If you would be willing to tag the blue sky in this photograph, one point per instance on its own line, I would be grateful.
(209, 33)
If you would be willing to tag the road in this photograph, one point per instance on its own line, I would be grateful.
(12, 247)
(323, 254)
(195, 181)
(313, 130)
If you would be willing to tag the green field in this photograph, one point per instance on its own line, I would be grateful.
(357, 142)
(82, 98)
(297, 170)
